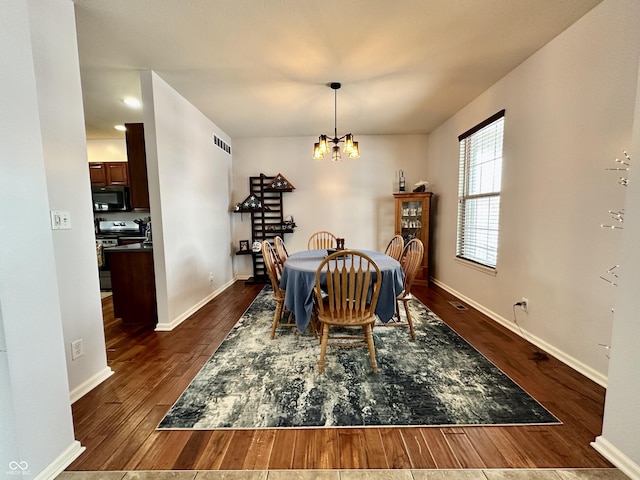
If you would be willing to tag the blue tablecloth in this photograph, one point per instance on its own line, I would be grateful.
(299, 277)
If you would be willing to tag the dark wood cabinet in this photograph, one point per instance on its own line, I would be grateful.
(98, 174)
(104, 174)
(117, 173)
(412, 221)
(137, 159)
(133, 284)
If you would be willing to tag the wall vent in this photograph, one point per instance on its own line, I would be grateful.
(221, 144)
(458, 306)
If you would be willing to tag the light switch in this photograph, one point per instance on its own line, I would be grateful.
(60, 220)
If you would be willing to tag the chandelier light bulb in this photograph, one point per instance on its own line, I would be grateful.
(355, 152)
(335, 156)
(348, 143)
(324, 147)
(317, 154)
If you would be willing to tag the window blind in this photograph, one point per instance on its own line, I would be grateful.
(479, 191)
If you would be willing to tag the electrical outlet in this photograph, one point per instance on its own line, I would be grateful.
(77, 349)
(210, 277)
(524, 304)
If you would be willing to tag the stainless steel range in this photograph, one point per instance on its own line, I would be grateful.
(116, 228)
(111, 233)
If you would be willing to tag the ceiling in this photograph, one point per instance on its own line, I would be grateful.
(261, 68)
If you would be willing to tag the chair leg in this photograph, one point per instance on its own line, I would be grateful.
(276, 318)
(314, 323)
(372, 348)
(409, 319)
(323, 345)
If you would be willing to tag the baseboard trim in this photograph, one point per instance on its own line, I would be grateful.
(89, 384)
(572, 362)
(65, 459)
(167, 327)
(615, 456)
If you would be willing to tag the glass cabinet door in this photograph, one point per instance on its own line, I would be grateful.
(411, 220)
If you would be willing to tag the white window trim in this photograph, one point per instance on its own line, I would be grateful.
(477, 266)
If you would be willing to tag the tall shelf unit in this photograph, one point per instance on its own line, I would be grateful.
(265, 206)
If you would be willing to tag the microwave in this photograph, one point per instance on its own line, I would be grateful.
(110, 199)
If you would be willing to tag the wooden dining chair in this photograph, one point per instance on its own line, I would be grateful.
(281, 249)
(410, 261)
(350, 277)
(322, 240)
(274, 270)
(395, 247)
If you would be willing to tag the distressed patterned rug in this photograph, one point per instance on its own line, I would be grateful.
(438, 379)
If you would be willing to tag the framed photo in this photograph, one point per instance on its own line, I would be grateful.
(244, 245)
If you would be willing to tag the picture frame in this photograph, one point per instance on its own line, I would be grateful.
(244, 245)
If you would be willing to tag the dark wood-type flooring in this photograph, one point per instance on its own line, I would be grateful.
(117, 420)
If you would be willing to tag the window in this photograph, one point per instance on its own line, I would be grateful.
(479, 191)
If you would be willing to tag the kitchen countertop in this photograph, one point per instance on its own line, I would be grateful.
(132, 237)
(118, 235)
(133, 247)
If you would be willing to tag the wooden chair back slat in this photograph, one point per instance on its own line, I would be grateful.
(395, 247)
(281, 249)
(322, 240)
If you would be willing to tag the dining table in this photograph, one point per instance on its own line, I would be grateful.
(299, 279)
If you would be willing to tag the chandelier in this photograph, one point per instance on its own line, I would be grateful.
(322, 145)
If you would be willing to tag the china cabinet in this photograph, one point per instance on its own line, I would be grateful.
(412, 221)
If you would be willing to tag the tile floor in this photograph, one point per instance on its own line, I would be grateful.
(511, 474)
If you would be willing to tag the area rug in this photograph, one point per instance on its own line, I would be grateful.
(438, 379)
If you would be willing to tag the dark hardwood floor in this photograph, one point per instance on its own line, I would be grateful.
(117, 420)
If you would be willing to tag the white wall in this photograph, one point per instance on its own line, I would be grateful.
(189, 189)
(68, 186)
(107, 150)
(620, 439)
(352, 198)
(569, 111)
(30, 298)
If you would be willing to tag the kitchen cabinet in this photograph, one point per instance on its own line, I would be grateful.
(133, 284)
(412, 221)
(137, 159)
(105, 174)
